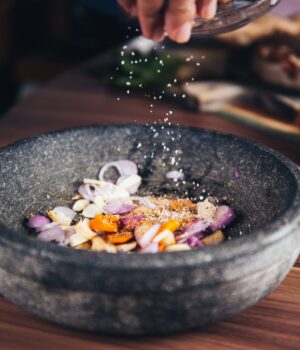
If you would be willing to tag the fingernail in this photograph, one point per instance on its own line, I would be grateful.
(158, 34)
(183, 33)
(209, 10)
(133, 11)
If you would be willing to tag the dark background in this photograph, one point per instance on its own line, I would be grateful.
(39, 39)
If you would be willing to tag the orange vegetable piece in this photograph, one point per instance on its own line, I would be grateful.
(120, 238)
(107, 223)
(161, 247)
(171, 225)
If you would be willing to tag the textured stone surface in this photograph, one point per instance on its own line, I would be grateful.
(131, 294)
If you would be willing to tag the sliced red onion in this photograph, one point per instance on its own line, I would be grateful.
(197, 227)
(150, 248)
(145, 201)
(37, 221)
(130, 223)
(118, 207)
(174, 175)
(46, 227)
(224, 216)
(148, 236)
(130, 183)
(124, 167)
(194, 242)
(56, 234)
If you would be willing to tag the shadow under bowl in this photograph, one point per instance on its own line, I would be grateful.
(148, 293)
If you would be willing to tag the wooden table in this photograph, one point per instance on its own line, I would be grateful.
(74, 100)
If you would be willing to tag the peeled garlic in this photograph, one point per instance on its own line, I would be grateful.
(178, 248)
(91, 211)
(58, 216)
(80, 205)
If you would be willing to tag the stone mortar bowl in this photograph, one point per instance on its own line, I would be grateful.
(147, 293)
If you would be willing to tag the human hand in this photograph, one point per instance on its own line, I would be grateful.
(175, 17)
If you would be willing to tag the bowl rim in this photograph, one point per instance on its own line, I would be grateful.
(244, 245)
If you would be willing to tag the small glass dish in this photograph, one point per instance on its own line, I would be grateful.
(233, 15)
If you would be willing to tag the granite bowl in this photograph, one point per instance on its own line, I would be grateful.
(148, 293)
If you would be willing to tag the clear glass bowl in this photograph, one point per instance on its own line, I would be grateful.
(232, 16)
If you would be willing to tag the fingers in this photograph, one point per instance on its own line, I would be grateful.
(151, 18)
(207, 8)
(129, 6)
(179, 19)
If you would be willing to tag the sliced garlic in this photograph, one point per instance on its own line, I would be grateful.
(77, 239)
(59, 218)
(178, 248)
(91, 211)
(80, 205)
(100, 203)
(162, 235)
(166, 237)
(98, 244)
(84, 230)
(127, 247)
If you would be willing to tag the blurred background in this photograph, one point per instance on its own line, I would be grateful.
(40, 39)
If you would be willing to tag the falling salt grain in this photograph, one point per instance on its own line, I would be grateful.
(183, 96)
